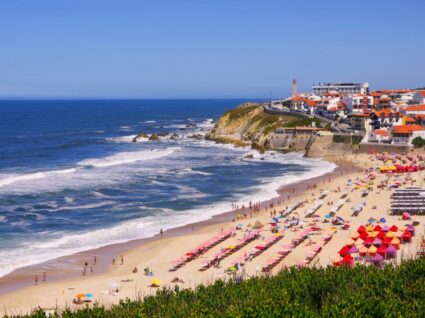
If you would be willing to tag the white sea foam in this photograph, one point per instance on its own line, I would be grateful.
(128, 157)
(10, 179)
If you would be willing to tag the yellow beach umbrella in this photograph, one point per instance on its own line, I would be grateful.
(231, 247)
(390, 234)
(372, 250)
(156, 282)
(369, 228)
(373, 234)
(355, 236)
(80, 296)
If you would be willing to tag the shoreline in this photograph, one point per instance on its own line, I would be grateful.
(70, 266)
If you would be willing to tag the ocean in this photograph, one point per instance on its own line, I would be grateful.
(72, 180)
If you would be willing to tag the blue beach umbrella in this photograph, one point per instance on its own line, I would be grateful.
(89, 295)
(328, 216)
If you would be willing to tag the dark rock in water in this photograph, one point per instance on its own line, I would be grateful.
(139, 135)
(154, 137)
(196, 136)
(163, 134)
(250, 156)
(262, 158)
(174, 137)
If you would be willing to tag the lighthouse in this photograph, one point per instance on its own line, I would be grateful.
(294, 88)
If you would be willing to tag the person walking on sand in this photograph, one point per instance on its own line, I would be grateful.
(113, 261)
(94, 260)
(122, 259)
(36, 279)
(44, 276)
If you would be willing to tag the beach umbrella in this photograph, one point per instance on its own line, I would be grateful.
(377, 242)
(407, 236)
(390, 234)
(372, 250)
(396, 243)
(155, 282)
(369, 228)
(382, 220)
(353, 250)
(391, 251)
(382, 235)
(343, 251)
(386, 241)
(368, 242)
(394, 228)
(260, 247)
(350, 243)
(355, 236)
(328, 216)
(377, 259)
(377, 228)
(363, 250)
(79, 296)
(364, 236)
(405, 216)
(385, 228)
(337, 261)
(361, 229)
(347, 260)
(89, 295)
(373, 234)
(382, 250)
(411, 229)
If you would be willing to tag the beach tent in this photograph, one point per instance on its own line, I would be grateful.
(382, 220)
(377, 228)
(385, 228)
(364, 236)
(373, 234)
(382, 235)
(386, 241)
(369, 228)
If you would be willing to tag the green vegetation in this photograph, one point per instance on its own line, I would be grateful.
(238, 113)
(327, 292)
(418, 142)
(304, 122)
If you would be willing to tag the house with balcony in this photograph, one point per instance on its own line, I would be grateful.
(404, 134)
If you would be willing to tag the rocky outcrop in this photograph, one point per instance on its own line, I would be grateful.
(154, 137)
(249, 125)
(139, 135)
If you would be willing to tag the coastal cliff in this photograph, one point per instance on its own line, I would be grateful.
(249, 125)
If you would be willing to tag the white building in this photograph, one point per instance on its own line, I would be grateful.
(344, 88)
(358, 103)
(404, 134)
(415, 110)
(419, 97)
(379, 136)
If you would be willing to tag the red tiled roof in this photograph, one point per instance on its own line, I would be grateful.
(415, 108)
(386, 112)
(310, 102)
(409, 119)
(381, 132)
(422, 93)
(407, 129)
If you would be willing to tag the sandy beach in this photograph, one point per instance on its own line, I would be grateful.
(111, 282)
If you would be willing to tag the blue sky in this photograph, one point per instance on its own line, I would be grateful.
(205, 48)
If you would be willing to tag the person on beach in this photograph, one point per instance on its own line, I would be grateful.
(113, 261)
(161, 232)
(94, 260)
(36, 279)
(122, 259)
(44, 276)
